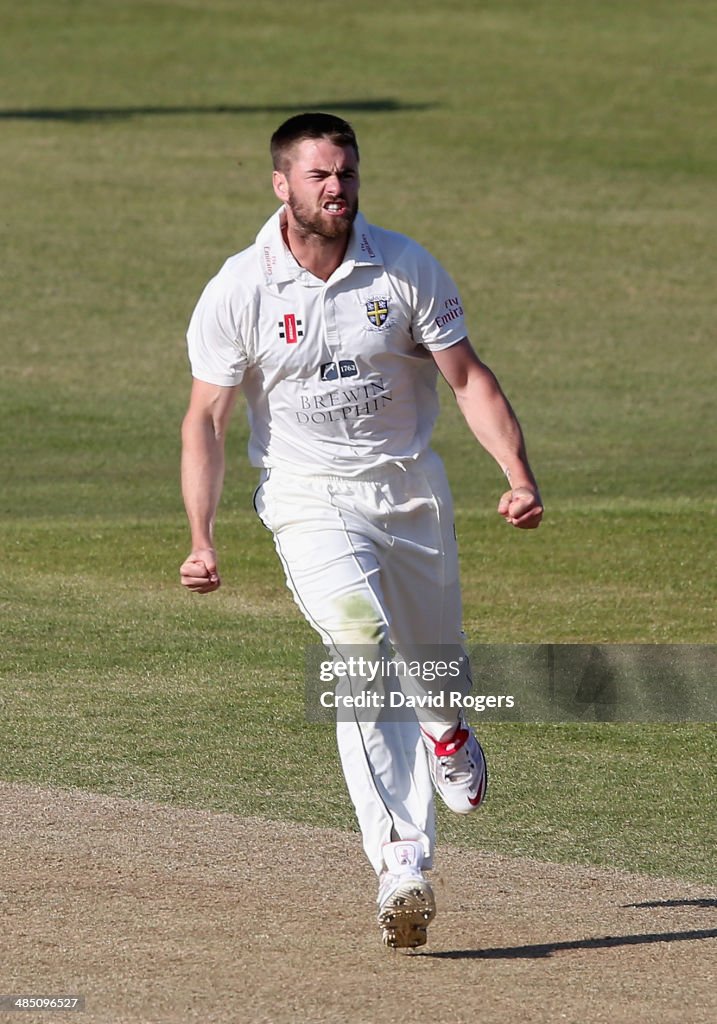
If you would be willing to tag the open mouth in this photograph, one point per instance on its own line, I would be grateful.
(335, 208)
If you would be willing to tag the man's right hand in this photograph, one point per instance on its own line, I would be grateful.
(198, 572)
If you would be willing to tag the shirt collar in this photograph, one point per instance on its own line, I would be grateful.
(272, 251)
(278, 266)
(363, 249)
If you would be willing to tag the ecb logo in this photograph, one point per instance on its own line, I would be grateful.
(377, 311)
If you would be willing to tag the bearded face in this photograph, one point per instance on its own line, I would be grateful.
(320, 188)
(332, 219)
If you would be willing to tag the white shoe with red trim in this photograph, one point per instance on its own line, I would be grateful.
(458, 768)
(406, 905)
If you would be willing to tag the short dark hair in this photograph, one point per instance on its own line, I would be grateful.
(309, 126)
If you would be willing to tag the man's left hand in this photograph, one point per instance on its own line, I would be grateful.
(521, 507)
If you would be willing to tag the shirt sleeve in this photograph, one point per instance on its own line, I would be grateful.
(217, 353)
(438, 319)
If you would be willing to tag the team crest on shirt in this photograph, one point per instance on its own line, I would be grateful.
(290, 329)
(377, 310)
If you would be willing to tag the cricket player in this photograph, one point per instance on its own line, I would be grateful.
(335, 331)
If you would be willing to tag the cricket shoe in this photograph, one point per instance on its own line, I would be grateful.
(458, 768)
(406, 905)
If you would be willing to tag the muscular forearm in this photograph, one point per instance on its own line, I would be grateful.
(495, 425)
(202, 476)
(203, 432)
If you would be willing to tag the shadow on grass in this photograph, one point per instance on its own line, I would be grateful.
(544, 950)
(80, 114)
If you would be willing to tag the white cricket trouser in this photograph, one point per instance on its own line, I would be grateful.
(372, 561)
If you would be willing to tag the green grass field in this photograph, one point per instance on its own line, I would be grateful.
(560, 159)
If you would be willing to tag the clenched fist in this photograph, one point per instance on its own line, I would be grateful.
(198, 572)
(521, 507)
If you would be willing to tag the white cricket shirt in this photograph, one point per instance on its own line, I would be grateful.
(336, 373)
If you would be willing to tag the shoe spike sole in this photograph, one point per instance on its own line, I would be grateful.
(406, 916)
